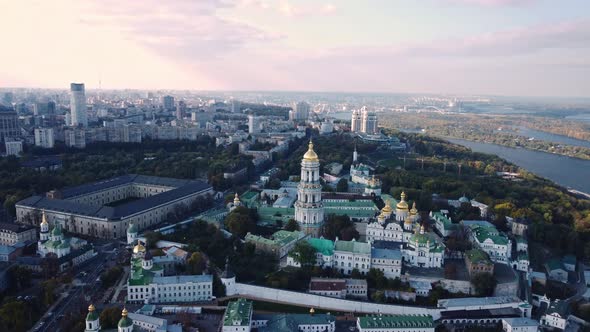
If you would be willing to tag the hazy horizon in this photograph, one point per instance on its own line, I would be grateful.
(506, 48)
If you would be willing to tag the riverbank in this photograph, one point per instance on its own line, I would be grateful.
(566, 171)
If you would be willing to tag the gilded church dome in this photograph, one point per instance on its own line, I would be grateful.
(310, 155)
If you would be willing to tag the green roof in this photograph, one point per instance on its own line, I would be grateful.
(125, 322)
(447, 223)
(291, 322)
(92, 316)
(478, 256)
(238, 313)
(350, 213)
(483, 233)
(248, 195)
(353, 246)
(362, 203)
(324, 246)
(554, 264)
(56, 231)
(284, 237)
(520, 239)
(396, 321)
(569, 259)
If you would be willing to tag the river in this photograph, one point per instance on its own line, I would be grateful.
(569, 172)
(545, 136)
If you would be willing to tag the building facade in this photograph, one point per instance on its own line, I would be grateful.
(309, 209)
(82, 209)
(44, 138)
(78, 105)
(11, 234)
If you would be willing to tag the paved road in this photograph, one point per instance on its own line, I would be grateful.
(75, 294)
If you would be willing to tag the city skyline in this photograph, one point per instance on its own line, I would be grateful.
(491, 47)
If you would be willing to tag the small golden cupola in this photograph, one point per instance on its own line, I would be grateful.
(44, 218)
(402, 205)
(139, 248)
(236, 199)
(413, 210)
(310, 155)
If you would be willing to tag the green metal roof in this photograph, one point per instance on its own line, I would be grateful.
(291, 322)
(483, 233)
(92, 316)
(554, 264)
(353, 246)
(396, 321)
(447, 223)
(125, 322)
(238, 313)
(324, 246)
(350, 213)
(284, 237)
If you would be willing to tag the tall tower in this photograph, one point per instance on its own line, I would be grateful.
(309, 210)
(355, 123)
(92, 320)
(78, 105)
(44, 232)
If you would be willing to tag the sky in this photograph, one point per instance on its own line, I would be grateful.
(491, 47)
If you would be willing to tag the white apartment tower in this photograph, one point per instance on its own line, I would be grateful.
(369, 122)
(253, 124)
(44, 137)
(364, 121)
(78, 105)
(355, 124)
(300, 111)
(309, 210)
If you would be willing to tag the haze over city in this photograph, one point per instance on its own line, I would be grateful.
(494, 47)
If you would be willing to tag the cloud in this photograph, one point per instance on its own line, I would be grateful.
(181, 28)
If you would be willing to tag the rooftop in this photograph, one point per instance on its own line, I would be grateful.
(186, 187)
(323, 246)
(393, 321)
(292, 322)
(353, 246)
(322, 284)
(238, 313)
(386, 253)
(476, 301)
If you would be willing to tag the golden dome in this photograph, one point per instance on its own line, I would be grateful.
(124, 312)
(312, 311)
(236, 199)
(91, 308)
(138, 248)
(402, 205)
(408, 221)
(386, 208)
(414, 211)
(310, 155)
(44, 218)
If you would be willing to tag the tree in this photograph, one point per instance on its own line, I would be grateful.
(151, 238)
(304, 254)
(342, 185)
(484, 284)
(241, 221)
(13, 316)
(109, 317)
(292, 225)
(21, 276)
(341, 227)
(196, 263)
(50, 265)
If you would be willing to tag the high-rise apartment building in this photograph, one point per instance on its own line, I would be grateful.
(253, 124)
(364, 121)
(8, 124)
(75, 138)
(13, 147)
(369, 122)
(78, 105)
(300, 111)
(44, 137)
(168, 103)
(355, 124)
